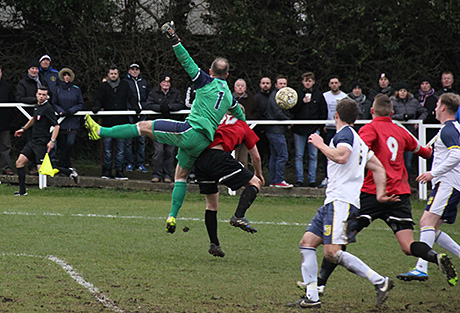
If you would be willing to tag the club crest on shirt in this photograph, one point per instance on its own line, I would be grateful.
(39, 117)
(327, 230)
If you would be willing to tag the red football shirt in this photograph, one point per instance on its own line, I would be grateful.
(388, 141)
(232, 132)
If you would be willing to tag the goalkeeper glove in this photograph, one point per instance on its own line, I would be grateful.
(170, 31)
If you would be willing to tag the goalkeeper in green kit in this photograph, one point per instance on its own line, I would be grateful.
(213, 99)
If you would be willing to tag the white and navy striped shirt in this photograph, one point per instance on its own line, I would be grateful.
(345, 180)
(446, 159)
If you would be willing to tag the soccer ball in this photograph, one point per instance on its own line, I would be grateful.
(286, 98)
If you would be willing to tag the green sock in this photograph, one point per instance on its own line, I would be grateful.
(124, 131)
(178, 195)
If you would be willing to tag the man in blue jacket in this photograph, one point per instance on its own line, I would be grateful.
(49, 74)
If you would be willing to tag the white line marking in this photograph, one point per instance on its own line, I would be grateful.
(141, 217)
(100, 296)
(196, 219)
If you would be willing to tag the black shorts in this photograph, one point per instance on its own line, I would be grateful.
(36, 151)
(216, 166)
(397, 215)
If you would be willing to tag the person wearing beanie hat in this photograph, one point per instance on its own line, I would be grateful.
(50, 74)
(406, 107)
(45, 58)
(402, 85)
(356, 84)
(26, 89)
(66, 102)
(356, 93)
(165, 78)
(425, 78)
(428, 100)
(164, 99)
(33, 63)
(426, 95)
(383, 87)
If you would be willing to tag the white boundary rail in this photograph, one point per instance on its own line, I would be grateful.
(252, 123)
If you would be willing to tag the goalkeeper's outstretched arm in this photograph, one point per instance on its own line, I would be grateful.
(181, 53)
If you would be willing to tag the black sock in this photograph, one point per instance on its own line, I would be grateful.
(326, 269)
(247, 198)
(422, 250)
(22, 180)
(210, 219)
(64, 170)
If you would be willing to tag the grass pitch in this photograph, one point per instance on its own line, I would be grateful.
(90, 250)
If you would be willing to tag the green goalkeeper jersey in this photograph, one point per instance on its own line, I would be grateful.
(212, 100)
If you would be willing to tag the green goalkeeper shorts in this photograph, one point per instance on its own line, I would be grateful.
(180, 134)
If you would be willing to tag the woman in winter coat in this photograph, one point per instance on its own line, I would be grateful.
(66, 102)
(407, 107)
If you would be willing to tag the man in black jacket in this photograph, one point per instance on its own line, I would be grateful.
(140, 89)
(27, 87)
(310, 106)
(383, 87)
(114, 95)
(164, 99)
(261, 97)
(276, 135)
(6, 96)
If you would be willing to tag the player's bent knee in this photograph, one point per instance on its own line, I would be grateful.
(256, 182)
(361, 223)
(332, 255)
(21, 161)
(145, 128)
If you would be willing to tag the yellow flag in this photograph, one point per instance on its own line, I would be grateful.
(47, 168)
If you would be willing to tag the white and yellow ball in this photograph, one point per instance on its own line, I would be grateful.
(286, 98)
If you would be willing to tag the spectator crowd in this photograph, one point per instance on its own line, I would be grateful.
(131, 91)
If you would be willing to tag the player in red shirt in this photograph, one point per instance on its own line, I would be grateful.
(216, 165)
(389, 142)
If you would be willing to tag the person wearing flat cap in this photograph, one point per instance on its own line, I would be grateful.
(164, 99)
(383, 87)
(66, 102)
(50, 74)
